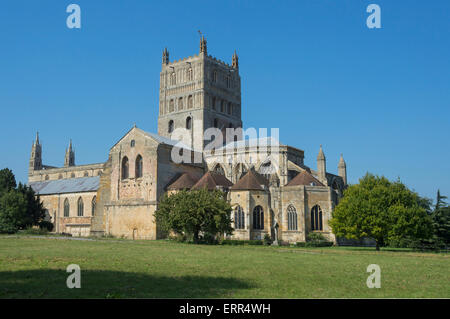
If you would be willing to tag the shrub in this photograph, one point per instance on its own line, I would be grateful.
(267, 240)
(46, 225)
(34, 231)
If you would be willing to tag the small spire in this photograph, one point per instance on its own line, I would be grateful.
(321, 155)
(235, 60)
(203, 47)
(165, 57)
(37, 138)
(341, 161)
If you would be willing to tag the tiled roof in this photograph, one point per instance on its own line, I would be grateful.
(212, 181)
(185, 181)
(251, 181)
(61, 186)
(304, 178)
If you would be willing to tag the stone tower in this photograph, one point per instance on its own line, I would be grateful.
(69, 159)
(197, 93)
(321, 166)
(36, 156)
(342, 169)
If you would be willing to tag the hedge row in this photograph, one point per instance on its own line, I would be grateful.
(236, 242)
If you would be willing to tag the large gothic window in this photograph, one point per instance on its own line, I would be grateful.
(138, 167)
(292, 218)
(170, 128)
(93, 205)
(66, 208)
(258, 218)
(316, 218)
(180, 103)
(80, 207)
(125, 168)
(239, 218)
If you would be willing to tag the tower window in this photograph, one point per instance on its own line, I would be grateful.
(292, 218)
(80, 207)
(316, 218)
(138, 166)
(170, 129)
(190, 101)
(173, 78)
(215, 76)
(216, 123)
(222, 106)
(125, 166)
(189, 74)
(66, 208)
(213, 103)
(239, 218)
(229, 108)
(94, 205)
(188, 123)
(171, 106)
(258, 217)
(180, 103)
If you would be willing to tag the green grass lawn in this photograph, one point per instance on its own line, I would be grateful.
(36, 267)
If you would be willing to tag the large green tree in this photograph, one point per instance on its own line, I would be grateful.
(19, 206)
(383, 210)
(195, 213)
(7, 180)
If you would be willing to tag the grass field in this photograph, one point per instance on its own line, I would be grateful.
(36, 267)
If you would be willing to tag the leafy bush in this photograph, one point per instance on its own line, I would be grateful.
(46, 225)
(236, 242)
(267, 240)
(34, 231)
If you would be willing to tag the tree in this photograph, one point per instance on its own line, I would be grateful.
(7, 180)
(13, 211)
(19, 207)
(194, 213)
(382, 210)
(440, 200)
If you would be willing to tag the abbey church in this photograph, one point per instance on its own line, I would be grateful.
(267, 183)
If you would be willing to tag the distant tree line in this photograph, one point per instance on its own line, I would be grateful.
(392, 215)
(20, 208)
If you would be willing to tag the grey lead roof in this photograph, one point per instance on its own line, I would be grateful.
(61, 186)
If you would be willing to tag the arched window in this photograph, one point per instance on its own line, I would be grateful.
(180, 103)
(189, 74)
(292, 218)
(133, 143)
(239, 218)
(94, 205)
(170, 128)
(316, 218)
(138, 166)
(222, 106)
(171, 106)
(216, 123)
(215, 76)
(125, 166)
(188, 122)
(213, 103)
(190, 102)
(219, 170)
(229, 108)
(173, 78)
(66, 208)
(258, 218)
(80, 207)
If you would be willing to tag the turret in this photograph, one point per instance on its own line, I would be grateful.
(235, 61)
(342, 169)
(165, 57)
(203, 48)
(36, 155)
(321, 166)
(69, 159)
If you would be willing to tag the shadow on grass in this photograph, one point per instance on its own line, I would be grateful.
(47, 283)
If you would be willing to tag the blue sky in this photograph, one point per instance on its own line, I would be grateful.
(312, 68)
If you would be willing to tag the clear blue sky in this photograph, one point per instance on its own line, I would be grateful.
(311, 68)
